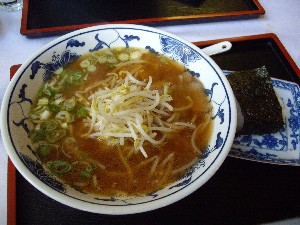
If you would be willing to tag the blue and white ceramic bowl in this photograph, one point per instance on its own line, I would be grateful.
(26, 82)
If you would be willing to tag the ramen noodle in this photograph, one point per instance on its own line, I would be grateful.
(122, 121)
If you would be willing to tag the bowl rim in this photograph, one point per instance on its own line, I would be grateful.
(113, 209)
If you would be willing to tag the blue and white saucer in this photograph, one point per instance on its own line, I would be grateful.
(282, 147)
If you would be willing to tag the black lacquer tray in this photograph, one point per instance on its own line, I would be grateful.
(241, 192)
(49, 17)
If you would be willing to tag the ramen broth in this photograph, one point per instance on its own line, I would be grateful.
(154, 126)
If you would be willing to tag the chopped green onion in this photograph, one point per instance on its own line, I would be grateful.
(86, 173)
(48, 91)
(123, 56)
(81, 112)
(59, 166)
(45, 115)
(50, 125)
(112, 60)
(64, 116)
(54, 108)
(91, 68)
(75, 77)
(44, 150)
(135, 55)
(84, 169)
(37, 135)
(43, 101)
(55, 135)
(85, 63)
(102, 59)
(69, 104)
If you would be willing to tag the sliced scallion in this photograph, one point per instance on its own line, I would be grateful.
(81, 112)
(59, 166)
(55, 135)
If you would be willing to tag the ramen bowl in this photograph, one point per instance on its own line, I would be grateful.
(25, 84)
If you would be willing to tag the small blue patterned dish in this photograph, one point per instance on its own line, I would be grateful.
(283, 147)
(23, 87)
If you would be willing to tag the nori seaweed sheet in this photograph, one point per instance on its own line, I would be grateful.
(259, 104)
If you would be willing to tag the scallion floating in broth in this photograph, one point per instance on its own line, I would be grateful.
(121, 121)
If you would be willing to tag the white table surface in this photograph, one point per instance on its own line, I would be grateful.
(282, 18)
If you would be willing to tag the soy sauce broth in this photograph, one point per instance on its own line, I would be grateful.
(109, 166)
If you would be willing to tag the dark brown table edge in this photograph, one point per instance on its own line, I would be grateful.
(55, 30)
(11, 174)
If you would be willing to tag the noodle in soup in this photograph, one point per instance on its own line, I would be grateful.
(122, 121)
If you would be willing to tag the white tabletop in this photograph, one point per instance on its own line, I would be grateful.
(281, 18)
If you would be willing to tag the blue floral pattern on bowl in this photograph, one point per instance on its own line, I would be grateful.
(66, 49)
